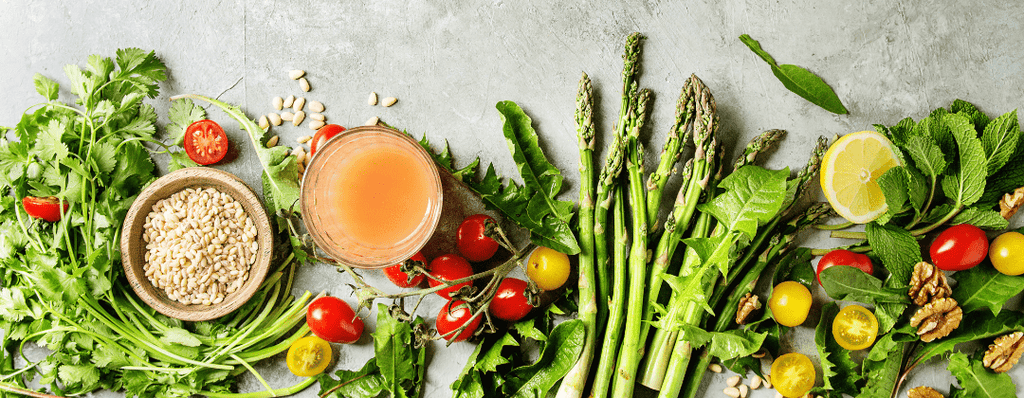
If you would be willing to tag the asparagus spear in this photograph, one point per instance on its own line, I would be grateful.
(670, 153)
(613, 333)
(576, 380)
(632, 342)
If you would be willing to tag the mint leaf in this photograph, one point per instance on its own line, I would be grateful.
(799, 80)
(1004, 181)
(987, 219)
(897, 249)
(966, 184)
(895, 184)
(984, 287)
(977, 117)
(927, 155)
(977, 381)
(838, 369)
(1000, 140)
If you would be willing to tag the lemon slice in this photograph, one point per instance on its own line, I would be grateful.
(850, 172)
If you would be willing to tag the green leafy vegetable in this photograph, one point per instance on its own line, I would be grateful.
(897, 249)
(967, 182)
(1000, 140)
(799, 80)
(363, 383)
(881, 368)
(976, 381)
(401, 364)
(984, 287)
(837, 367)
(852, 284)
(556, 358)
(983, 325)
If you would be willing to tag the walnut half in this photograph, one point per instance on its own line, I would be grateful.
(928, 283)
(1004, 352)
(923, 392)
(748, 304)
(1011, 202)
(937, 319)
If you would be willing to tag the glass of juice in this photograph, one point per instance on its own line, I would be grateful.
(371, 197)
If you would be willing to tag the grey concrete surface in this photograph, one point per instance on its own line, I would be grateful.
(449, 62)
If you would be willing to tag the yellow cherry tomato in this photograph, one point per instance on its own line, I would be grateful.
(855, 328)
(309, 356)
(793, 375)
(790, 303)
(1007, 253)
(548, 268)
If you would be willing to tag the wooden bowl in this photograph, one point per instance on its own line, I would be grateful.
(133, 247)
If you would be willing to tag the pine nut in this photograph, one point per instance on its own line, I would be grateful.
(299, 116)
(716, 368)
(264, 122)
(304, 139)
(275, 119)
(287, 116)
(316, 106)
(372, 99)
(732, 392)
(767, 381)
(744, 390)
(272, 142)
(304, 84)
(732, 381)
(295, 74)
(779, 395)
(316, 124)
(317, 116)
(755, 383)
(299, 103)
(288, 102)
(278, 103)
(372, 121)
(387, 102)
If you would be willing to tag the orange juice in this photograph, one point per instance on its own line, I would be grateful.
(371, 197)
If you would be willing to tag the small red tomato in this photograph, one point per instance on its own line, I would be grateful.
(959, 247)
(48, 208)
(402, 279)
(510, 301)
(450, 267)
(847, 258)
(205, 142)
(473, 242)
(322, 135)
(453, 315)
(330, 318)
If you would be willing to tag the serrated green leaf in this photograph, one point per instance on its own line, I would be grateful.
(895, 184)
(49, 142)
(900, 133)
(983, 326)
(799, 80)
(46, 87)
(559, 355)
(977, 117)
(897, 249)
(392, 346)
(86, 376)
(881, 368)
(977, 381)
(837, 367)
(104, 155)
(1000, 140)
(183, 113)
(986, 219)
(984, 287)
(967, 182)
(363, 383)
(927, 155)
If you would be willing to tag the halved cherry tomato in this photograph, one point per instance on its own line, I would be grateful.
(548, 268)
(790, 303)
(793, 375)
(322, 135)
(510, 301)
(453, 315)
(402, 279)
(959, 247)
(1007, 253)
(309, 356)
(847, 258)
(205, 142)
(48, 208)
(472, 239)
(449, 267)
(855, 328)
(331, 319)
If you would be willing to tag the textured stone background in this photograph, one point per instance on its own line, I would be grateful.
(449, 62)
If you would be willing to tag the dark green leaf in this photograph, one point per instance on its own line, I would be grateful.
(852, 284)
(987, 219)
(559, 355)
(895, 184)
(927, 155)
(1000, 140)
(837, 367)
(881, 368)
(799, 80)
(735, 343)
(977, 381)
(967, 182)
(897, 249)
(1004, 181)
(984, 287)
(753, 197)
(363, 383)
(393, 349)
(977, 117)
(983, 325)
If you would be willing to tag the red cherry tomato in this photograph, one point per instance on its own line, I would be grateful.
(322, 135)
(450, 267)
(48, 208)
(205, 142)
(453, 315)
(402, 279)
(959, 247)
(473, 242)
(330, 318)
(847, 258)
(510, 301)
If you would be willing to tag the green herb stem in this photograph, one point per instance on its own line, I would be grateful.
(285, 391)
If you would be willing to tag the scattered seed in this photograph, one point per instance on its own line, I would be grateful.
(755, 383)
(278, 103)
(305, 160)
(372, 100)
(304, 84)
(272, 142)
(298, 151)
(299, 116)
(287, 116)
(316, 124)
(744, 390)
(296, 74)
(288, 102)
(316, 116)
(264, 122)
(732, 381)
(299, 103)
(275, 119)
(767, 381)
(389, 101)
(715, 368)
(304, 139)
(779, 395)
(372, 121)
(316, 106)
(732, 392)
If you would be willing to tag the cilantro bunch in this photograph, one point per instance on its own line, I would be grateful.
(62, 284)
